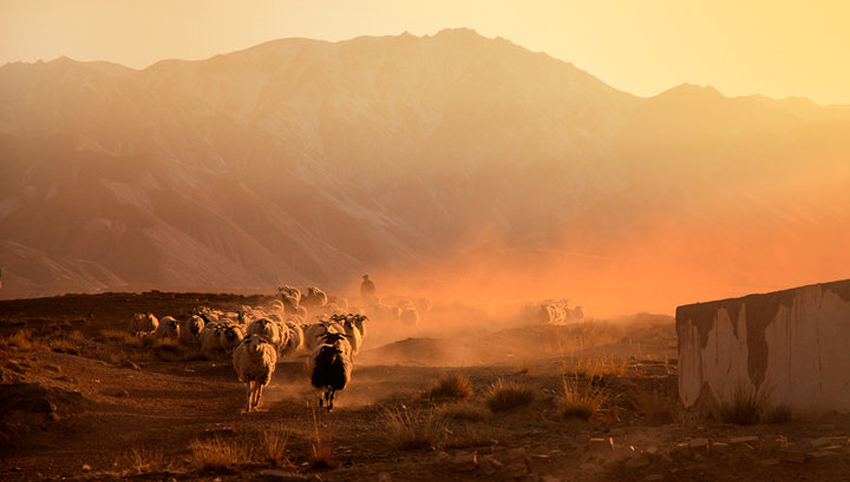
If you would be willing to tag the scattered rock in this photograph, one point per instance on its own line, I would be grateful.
(820, 442)
(792, 456)
(768, 462)
(53, 368)
(489, 465)
(131, 365)
(772, 443)
(600, 444)
(653, 477)
(743, 440)
(116, 392)
(698, 444)
(15, 367)
(280, 476)
(66, 378)
(385, 477)
(464, 461)
(514, 471)
(550, 478)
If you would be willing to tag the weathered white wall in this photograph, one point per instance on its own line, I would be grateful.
(793, 345)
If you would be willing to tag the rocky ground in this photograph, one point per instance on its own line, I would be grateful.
(83, 401)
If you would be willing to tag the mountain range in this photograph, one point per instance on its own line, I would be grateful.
(451, 165)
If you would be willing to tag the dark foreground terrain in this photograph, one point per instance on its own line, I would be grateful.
(83, 400)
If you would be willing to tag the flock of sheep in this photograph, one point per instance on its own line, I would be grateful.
(256, 337)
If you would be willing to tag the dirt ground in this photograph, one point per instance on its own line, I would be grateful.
(79, 400)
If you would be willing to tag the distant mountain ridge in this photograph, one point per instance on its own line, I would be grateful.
(310, 162)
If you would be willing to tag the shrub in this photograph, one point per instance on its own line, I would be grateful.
(142, 461)
(580, 400)
(412, 430)
(745, 406)
(453, 386)
(508, 396)
(217, 453)
(273, 446)
(463, 411)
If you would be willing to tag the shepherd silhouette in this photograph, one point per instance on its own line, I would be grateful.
(367, 288)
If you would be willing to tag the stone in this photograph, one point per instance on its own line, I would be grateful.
(443, 457)
(600, 444)
(514, 471)
(53, 368)
(131, 365)
(273, 475)
(653, 478)
(539, 452)
(719, 447)
(820, 442)
(385, 477)
(768, 462)
(550, 478)
(15, 367)
(792, 456)
(772, 443)
(698, 444)
(464, 461)
(489, 465)
(746, 439)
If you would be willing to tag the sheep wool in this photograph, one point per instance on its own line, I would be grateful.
(254, 360)
(330, 367)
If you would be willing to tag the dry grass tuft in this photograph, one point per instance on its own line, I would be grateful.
(508, 396)
(272, 446)
(463, 411)
(218, 454)
(599, 367)
(21, 340)
(469, 435)
(321, 455)
(744, 407)
(412, 430)
(453, 386)
(143, 461)
(581, 399)
(781, 413)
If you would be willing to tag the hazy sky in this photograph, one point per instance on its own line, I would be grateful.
(778, 48)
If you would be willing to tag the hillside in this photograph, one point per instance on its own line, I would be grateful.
(311, 162)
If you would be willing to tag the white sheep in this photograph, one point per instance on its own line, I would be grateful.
(265, 328)
(229, 336)
(295, 342)
(209, 339)
(329, 367)
(168, 328)
(191, 328)
(314, 298)
(254, 360)
(144, 324)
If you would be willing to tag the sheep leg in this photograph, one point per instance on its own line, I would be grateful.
(259, 394)
(331, 393)
(248, 393)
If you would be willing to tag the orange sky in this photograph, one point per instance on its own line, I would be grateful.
(777, 48)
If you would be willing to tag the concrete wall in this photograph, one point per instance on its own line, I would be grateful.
(793, 344)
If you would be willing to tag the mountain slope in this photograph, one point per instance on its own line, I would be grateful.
(309, 162)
